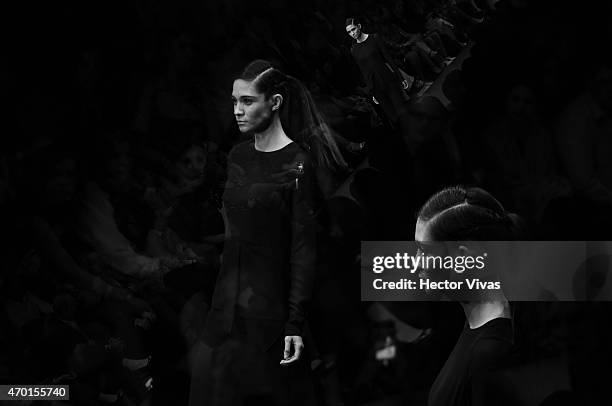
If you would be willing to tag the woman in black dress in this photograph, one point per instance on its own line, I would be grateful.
(257, 322)
(466, 215)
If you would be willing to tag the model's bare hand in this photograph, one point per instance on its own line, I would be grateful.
(295, 345)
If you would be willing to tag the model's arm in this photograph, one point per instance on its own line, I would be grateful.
(303, 249)
(303, 258)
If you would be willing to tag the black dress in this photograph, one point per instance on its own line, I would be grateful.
(266, 277)
(478, 352)
(380, 74)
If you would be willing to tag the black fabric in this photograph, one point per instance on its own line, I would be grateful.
(371, 57)
(380, 75)
(269, 258)
(244, 375)
(477, 352)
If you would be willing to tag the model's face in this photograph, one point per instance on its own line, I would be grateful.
(427, 245)
(421, 238)
(192, 163)
(354, 31)
(421, 232)
(252, 111)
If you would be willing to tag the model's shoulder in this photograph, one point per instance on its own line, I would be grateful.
(295, 147)
(243, 147)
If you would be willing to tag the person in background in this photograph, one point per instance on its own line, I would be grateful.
(382, 78)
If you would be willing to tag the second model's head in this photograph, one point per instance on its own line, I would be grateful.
(461, 222)
(258, 95)
(353, 28)
(465, 213)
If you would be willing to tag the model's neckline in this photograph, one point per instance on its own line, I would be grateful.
(276, 150)
(365, 39)
(488, 323)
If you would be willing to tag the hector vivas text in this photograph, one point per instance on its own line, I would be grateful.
(427, 265)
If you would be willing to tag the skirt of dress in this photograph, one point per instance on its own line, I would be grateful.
(244, 374)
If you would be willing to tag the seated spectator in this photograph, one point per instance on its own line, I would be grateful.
(413, 21)
(418, 57)
(171, 269)
(97, 224)
(188, 220)
(447, 31)
(63, 294)
(98, 228)
(168, 275)
(47, 200)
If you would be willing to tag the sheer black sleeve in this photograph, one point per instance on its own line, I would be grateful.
(303, 246)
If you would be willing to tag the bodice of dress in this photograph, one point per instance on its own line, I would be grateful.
(371, 58)
(259, 190)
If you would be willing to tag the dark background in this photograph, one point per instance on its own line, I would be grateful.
(114, 93)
